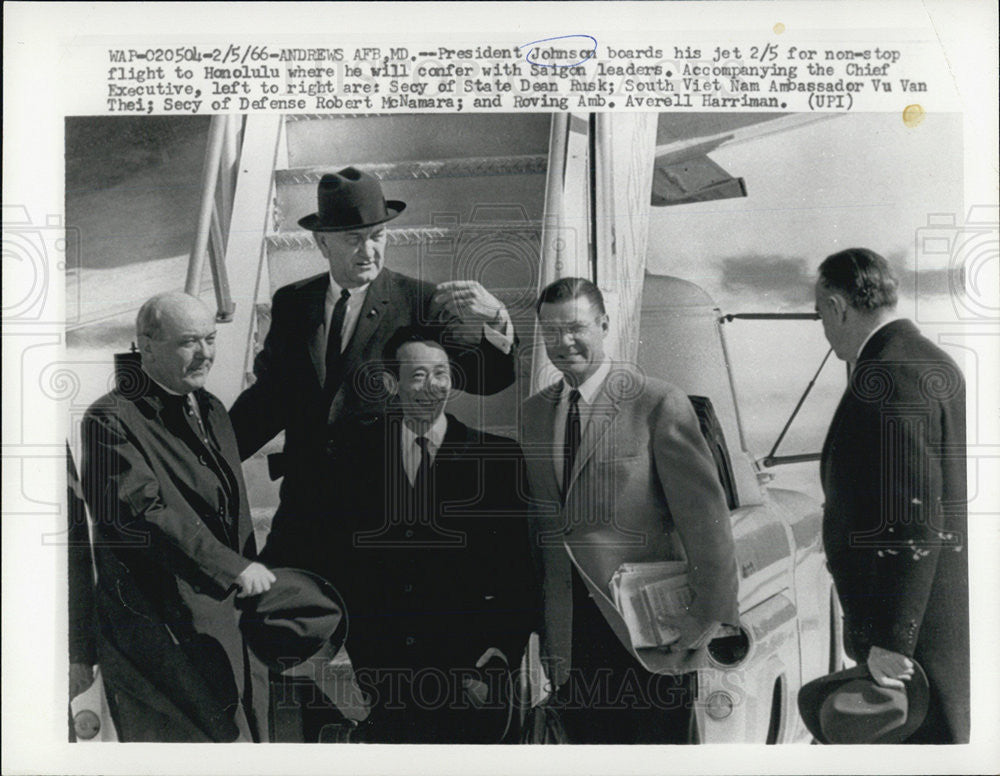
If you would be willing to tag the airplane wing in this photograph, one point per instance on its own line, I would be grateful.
(684, 173)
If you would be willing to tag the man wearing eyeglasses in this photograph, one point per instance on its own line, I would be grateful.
(619, 473)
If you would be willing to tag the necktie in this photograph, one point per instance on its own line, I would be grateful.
(424, 469)
(333, 338)
(572, 439)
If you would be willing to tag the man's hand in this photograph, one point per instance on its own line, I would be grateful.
(471, 304)
(81, 676)
(889, 669)
(695, 634)
(254, 580)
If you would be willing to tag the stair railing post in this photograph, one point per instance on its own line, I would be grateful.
(209, 177)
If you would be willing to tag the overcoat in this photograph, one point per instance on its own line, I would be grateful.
(172, 533)
(288, 393)
(643, 487)
(894, 522)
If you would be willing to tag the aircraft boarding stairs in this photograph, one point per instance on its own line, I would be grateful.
(474, 187)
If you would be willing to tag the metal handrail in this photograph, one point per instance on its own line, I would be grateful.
(215, 212)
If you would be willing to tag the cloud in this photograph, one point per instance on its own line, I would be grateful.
(786, 280)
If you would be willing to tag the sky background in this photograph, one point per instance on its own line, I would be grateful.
(854, 180)
(850, 180)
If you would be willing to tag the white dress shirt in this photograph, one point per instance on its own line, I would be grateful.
(411, 450)
(588, 392)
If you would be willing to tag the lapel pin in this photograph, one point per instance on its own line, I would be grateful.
(372, 313)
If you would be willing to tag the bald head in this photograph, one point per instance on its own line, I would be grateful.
(176, 334)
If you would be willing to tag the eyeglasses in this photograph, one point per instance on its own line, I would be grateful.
(552, 332)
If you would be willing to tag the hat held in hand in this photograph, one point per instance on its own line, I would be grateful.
(300, 615)
(350, 199)
(850, 707)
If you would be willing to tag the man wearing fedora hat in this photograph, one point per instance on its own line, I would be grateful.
(894, 522)
(318, 370)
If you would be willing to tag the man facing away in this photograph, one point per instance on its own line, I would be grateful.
(893, 474)
(427, 540)
(619, 473)
(173, 541)
(319, 369)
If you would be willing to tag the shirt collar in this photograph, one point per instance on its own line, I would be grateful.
(870, 335)
(334, 291)
(590, 387)
(435, 434)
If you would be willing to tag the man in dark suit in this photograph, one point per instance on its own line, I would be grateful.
(318, 370)
(173, 541)
(426, 538)
(893, 473)
(619, 473)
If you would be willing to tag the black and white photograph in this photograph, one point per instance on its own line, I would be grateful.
(570, 427)
(443, 224)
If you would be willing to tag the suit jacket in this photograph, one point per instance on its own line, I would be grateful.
(644, 487)
(172, 534)
(288, 393)
(430, 583)
(894, 523)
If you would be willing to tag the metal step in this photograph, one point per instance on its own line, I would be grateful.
(414, 137)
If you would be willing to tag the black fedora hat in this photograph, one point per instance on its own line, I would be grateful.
(350, 199)
(301, 614)
(849, 707)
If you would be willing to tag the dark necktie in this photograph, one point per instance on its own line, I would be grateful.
(424, 469)
(422, 496)
(333, 338)
(572, 439)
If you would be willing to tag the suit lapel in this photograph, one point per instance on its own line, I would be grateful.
(171, 414)
(600, 419)
(376, 303)
(538, 435)
(455, 442)
(313, 296)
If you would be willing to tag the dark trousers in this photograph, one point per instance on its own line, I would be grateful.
(610, 698)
